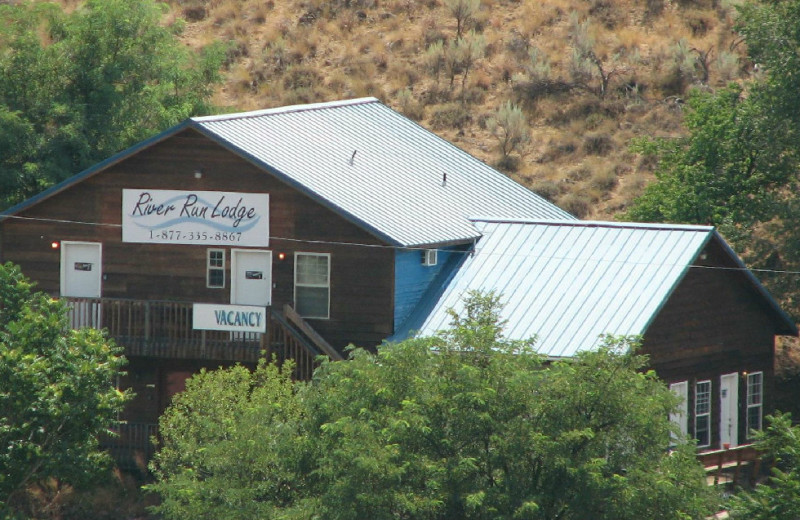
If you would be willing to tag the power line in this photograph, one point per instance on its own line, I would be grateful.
(450, 251)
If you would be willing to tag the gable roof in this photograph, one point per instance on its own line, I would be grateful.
(366, 162)
(569, 282)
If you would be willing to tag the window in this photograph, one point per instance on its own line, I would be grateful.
(679, 416)
(702, 413)
(429, 257)
(215, 268)
(755, 394)
(312, 285)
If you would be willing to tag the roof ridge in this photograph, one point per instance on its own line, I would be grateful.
(595, 223)
(286, 110)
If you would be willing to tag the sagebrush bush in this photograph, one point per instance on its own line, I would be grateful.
(576, 204)
(451, 115)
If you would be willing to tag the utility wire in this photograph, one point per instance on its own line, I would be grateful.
(450, 251)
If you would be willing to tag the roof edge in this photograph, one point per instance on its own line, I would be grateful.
(791, 326)
(594, 224)
(286, 110)
(678, 280)
(94, 169)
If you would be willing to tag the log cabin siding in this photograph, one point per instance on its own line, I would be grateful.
(362, 278)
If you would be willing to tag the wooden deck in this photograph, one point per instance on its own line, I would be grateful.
(164, 329)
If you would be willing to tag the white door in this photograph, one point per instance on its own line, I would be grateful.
(81, 275)
(729, 409)
(251, 277)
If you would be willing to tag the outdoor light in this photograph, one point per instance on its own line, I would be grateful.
(281, 256)
(54, 244)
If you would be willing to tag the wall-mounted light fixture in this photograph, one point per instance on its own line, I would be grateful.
(55, 244)
(281, 256)
(198, 174)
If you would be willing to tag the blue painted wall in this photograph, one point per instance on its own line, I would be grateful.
(412, 279)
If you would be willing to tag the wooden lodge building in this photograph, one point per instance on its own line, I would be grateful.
(305, 229)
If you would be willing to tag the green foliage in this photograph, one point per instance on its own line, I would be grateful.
(725, 171)
(737, 169)
(779, 499)
(230, 446)
(56, 391)
(462, 425)
(77, 87)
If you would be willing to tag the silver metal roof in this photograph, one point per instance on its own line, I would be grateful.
(568, 283)
(379, 169)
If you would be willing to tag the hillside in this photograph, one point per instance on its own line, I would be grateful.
(550, 58)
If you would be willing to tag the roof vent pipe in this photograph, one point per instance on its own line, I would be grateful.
(352, 157)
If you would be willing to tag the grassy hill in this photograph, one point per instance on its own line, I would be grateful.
(589, 75)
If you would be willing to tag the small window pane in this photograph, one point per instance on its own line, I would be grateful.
(703, 403)
(703, 433)
(216, 278)
(753, 419)
(312, 270)
(312, 302)
(754, 389)
(216, 258)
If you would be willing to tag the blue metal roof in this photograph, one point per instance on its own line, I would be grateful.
(568, 283)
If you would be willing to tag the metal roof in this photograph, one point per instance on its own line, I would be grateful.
(568, 283)
(366, 162)
(378, 168)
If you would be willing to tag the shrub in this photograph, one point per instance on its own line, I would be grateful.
(451, 115)
(510, 128)
(576, 204)
(598, 144)
(546, 189)
(604, 179)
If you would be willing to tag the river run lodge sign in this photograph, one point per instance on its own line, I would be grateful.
(195, 217)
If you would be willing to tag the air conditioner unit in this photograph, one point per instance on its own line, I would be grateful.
(429, 257)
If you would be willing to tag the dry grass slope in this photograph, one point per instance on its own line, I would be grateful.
(589, 75)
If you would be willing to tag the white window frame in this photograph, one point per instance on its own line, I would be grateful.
(755, 400)
(706, 413)
(210, 267)
(680, 416)
(327, 285)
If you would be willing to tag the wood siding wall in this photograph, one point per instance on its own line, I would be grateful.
(362, 278)
(713, 324)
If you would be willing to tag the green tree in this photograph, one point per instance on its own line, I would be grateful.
(727, 170)
(78, 87)
(779, 498)
(737, 167)
(57, 392)
(463, 425)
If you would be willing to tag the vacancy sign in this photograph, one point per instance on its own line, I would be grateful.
(234, 318)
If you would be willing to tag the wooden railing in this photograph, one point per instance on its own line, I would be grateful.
(131, 445)
(739, 465)
(165, 329)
